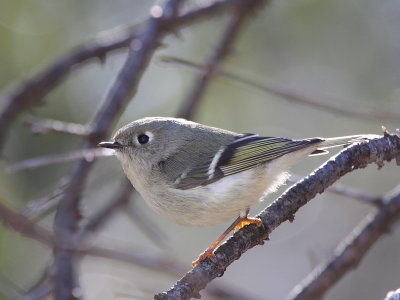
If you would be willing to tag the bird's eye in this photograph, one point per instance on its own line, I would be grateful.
(143, 139)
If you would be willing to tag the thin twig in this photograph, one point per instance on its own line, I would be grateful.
(164, 264)
(40, 292)
(345, 191)
(9, 288)
(283, 209)
(223, 49)
(39, 208)
(295, 96)
(42, 288)
(348, 192)
(35, 208)
(160, 264)
(350, 251)
(24, 226)
(41, 126)
(37, 162)
(151, 230)
(99, 219)
(206, 11)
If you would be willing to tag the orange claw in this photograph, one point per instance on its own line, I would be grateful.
(236, 225)
(246, 221)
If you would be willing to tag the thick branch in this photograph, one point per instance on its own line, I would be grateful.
(283, 209)
(124, 87)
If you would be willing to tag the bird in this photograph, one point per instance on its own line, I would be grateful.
(198, 175)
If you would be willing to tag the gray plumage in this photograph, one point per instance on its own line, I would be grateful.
(200, 175)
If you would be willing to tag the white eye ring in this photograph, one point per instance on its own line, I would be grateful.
(144, 138)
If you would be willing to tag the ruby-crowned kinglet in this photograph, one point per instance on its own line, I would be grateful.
(199, 175)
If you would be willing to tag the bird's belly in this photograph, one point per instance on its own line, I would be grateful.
(217, 202)
(214, 203)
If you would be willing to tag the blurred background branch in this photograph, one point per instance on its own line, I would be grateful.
(216, 56)
(22, 225)
(297, 97)
(92, 215)
(351, 250)
(42, 126)
(123, 88)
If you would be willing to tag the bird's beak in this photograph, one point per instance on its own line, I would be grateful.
(110, 145)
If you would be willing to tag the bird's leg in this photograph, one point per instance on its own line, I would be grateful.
(209, 252)
(239, 223)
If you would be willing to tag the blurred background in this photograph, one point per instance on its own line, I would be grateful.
(344, 53)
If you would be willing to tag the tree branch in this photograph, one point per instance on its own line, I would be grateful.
(294, 96)
(41, 126)
(148, 228)
(283, 209)
(124, 87)
(23, 225)
(346, 191)
(223, 49)
(45, 284)
(88, 154)
(41, 289)
(40, 292)
(31, 92)
(351, 251)
(144, 40)
(98, 219)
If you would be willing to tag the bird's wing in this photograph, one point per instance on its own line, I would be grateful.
(240, 155)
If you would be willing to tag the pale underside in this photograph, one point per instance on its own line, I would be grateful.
(219, 201)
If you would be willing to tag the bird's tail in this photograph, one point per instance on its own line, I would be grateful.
(342, 141)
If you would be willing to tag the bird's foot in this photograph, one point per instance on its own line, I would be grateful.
(207, 254)
(246, 221)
